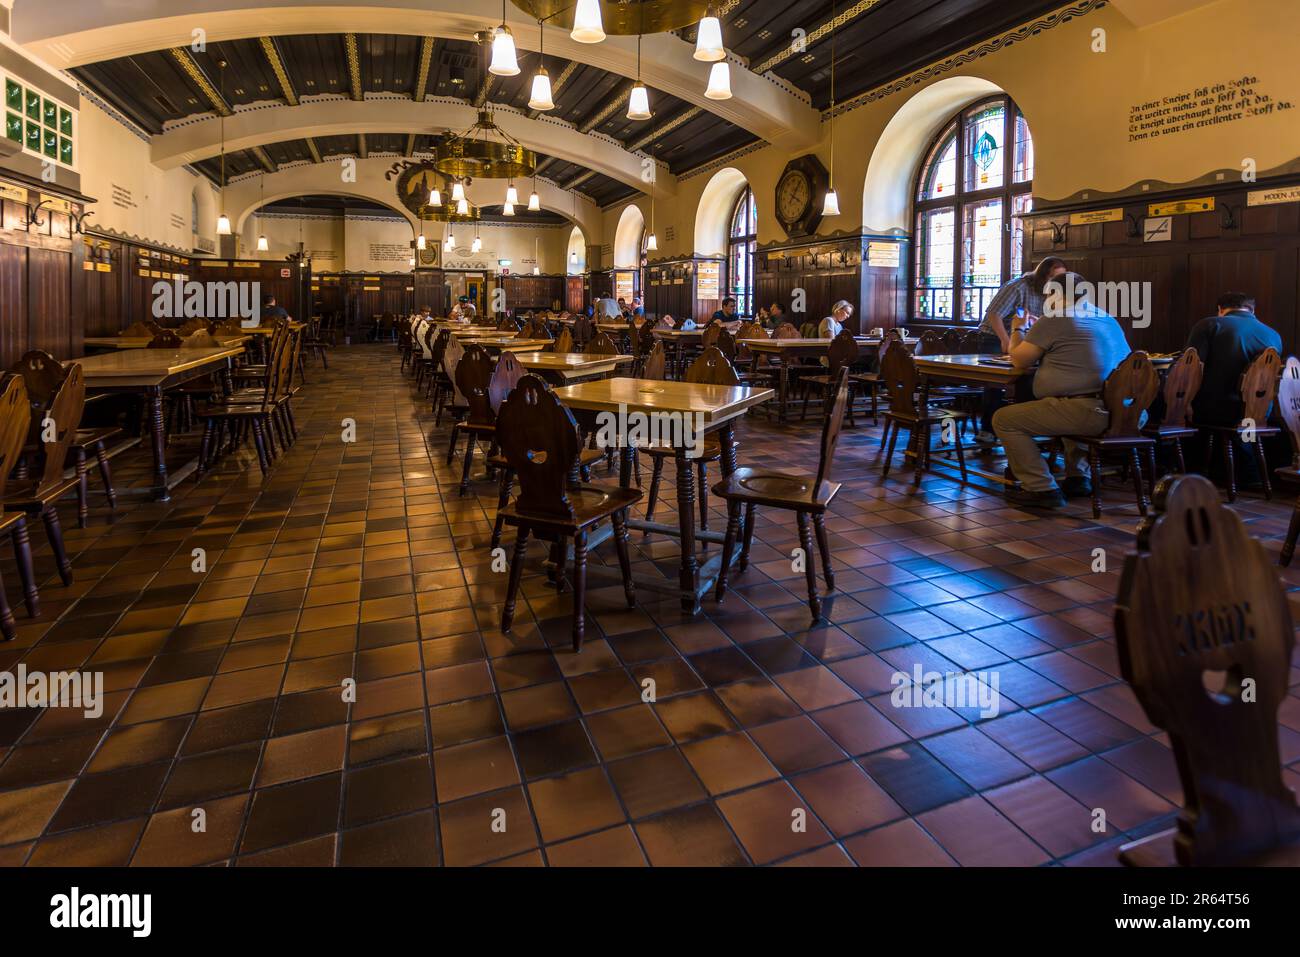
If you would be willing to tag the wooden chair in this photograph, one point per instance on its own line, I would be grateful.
(1182, 383)
(970, 344)
(474, 375)
(15, 419)
(871, 382)
(249, 409)
(1288, 399)
(138, 330)
(899, 378)
(656, 363)
(1128, 393)
(711, 368)
(584, 330)
(1258, 390)
(601, 345)
(166, 339)
(564, 343)
(540, 441)
(842, 354)
(1200, 613)
(39, 495)
(952, 340)
(808, 496)
(42, 375)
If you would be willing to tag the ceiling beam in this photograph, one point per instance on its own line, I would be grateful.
(613, 106)
(355, 89)
(363, 150)
(313, 150)
(410, 144)
(273, 58)
(422, 79)
(195, 72)
(69, 35)
(820, 32)
(264, 158)
(659, 130)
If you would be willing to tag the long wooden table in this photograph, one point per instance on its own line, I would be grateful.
(790, 349)
(150, 373)
(496, 343)
(714, 408)
(142, 342)
(570, 368)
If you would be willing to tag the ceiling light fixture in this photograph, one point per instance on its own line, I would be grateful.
(719, 81)
(508, 209)
(588, 26)
(505, 61)
(638, 105)
(541, 100)
(262, 244)
(435, 197)
(708, 39)
(457, 191)
(512, 195)
(831, 207)
(223, 221)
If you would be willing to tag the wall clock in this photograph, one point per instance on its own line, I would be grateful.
(800, 193)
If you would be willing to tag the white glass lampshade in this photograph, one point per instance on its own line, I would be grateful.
(719, 82)
(512, 195)
(412, 260)
(541, 99)
(708, 42)
(421, 243)
(504, 60)
(449, 245)
(223, 225)
(832, 206)
(588, 27)
(462, 207)
(534, 202)
(435, 197)
(652, 244)
(476, 245)
(537, 270)
(573, 257)
(638, 107)
(457, 192)
(508, 209)
(262, 245)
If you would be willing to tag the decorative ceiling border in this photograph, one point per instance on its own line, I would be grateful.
(994, 45)
(111, 111)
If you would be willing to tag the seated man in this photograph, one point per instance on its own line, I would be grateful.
(1076, 346)
(270, 311)
(727, 313)
(1228, 343)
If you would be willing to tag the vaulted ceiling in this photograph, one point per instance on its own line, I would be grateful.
(875, 41)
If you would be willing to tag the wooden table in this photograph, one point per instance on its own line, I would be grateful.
(789, 349)
(713, 408)
(142, 342)
(570, 368)
(497, 343)
(151, 372)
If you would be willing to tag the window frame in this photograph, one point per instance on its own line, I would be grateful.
(962, 198)
(745, 299)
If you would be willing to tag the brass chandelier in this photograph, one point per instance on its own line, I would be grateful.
(484, 151)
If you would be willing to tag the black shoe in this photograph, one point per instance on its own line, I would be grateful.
(1077, 486)
(1052, 498)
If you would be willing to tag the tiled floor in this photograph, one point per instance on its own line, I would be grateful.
(769, 742)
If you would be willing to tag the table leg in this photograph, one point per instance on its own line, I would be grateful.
(690, 567)
(783, 390)
(159, 435)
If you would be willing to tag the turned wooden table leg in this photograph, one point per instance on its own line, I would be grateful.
(690, 568)
(158, 435)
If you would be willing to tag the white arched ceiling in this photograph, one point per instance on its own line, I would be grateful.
(899, 153)
(627, 238)
(576, 255)
(713, 215)
(265, 124)
(244, 196)
(68, 35)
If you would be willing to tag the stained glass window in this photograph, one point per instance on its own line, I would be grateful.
(740, 253)
(974, 187)
(43, 127)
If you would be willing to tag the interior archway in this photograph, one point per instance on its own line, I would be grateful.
(576, 254)
(887, 192)
(627, 238)
(713, 215)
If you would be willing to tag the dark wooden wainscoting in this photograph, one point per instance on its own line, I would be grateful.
(674, 287)
(829, 269)
(533, 292)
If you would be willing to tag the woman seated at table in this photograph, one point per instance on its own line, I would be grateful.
(1076, 346)
(831, 326)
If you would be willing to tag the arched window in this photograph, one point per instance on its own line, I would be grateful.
(971, 196)
(740, 253)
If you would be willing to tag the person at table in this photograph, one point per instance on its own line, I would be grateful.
(832, 325)
(638, 307)
(1019, 297)
(1227, 344)
(271, 311)
(727, 313)
(775, 316)
(1075, 346)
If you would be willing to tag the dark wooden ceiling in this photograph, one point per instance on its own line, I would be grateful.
(343, 205)
(888, 40)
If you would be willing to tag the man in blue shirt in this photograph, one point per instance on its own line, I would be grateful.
(1075, 346)
(727, 313)
(1020, 297)
(1227, 344)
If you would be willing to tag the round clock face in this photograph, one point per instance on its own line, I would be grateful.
(793, 196)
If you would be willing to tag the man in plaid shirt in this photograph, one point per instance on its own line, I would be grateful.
(1020, 297)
